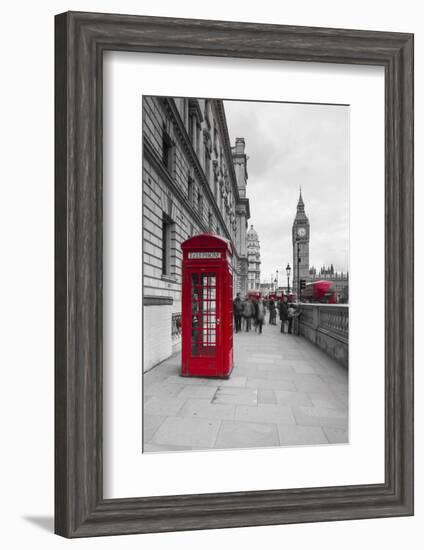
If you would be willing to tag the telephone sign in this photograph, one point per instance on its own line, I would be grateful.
(203, 255)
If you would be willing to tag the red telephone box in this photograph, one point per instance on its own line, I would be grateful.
(207, 307)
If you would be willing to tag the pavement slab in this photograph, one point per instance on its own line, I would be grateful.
(185, 380)
(266, 397)
(203, 408)
(237, 381)
(239, 435)
(301, 435)
(150, 424)
(331, 370)
(163, 407)
(190, 432)
(292, 398)
(336, 386)
(267, 383)
(276, 366)
(278, 356)
(309, 383)
(200, 392)
(319, 416)
(303, 367)
(271, 414)
(343, 397)
(260, 360)
(162, 389)
(326, 400)
(281, 372)
(336, 435)
(236, 396)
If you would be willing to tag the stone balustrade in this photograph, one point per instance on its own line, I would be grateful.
(327, 326)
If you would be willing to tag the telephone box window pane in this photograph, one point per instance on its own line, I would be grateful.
(203, 318)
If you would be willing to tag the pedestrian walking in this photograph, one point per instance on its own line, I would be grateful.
(293, 314)
(272, 313)
(238, 311)
(248, 313)
(284, 313)
(195, 332)
(260, 314)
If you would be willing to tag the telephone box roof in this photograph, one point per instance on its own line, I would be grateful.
(206, 240)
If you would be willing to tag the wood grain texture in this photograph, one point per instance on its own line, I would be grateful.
(81, 39)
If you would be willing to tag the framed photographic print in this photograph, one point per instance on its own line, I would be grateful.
(234, 274)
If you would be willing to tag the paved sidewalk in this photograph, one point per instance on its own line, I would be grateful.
(283, 391)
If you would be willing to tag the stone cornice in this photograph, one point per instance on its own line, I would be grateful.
(222, 121)
(194, 109)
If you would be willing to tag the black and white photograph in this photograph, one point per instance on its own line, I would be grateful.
(245, 274)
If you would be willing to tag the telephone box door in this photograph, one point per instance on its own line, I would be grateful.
(205, 321)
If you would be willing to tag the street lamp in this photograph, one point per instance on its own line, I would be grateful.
(276, 281)
(288, 271)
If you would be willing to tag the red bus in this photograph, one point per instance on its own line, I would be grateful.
(319, 291)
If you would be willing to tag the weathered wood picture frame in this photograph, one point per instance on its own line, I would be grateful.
(81, 39)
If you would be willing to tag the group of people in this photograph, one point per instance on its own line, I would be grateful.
(251, 313)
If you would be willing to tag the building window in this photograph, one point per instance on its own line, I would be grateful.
(207, 104)
(200, 203)
(167, 225)
(185, 111)
(191, 129)
(215, 139)
(210, 222)
(167, 151)
(207, 165)
(198, 130)
(190, 190)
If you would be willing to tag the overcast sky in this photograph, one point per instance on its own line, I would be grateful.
(289, 146)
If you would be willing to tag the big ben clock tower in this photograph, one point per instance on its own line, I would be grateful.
(300, 239)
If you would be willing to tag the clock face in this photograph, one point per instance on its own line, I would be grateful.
(301, 232)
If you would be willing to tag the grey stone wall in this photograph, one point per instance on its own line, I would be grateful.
(327, 326)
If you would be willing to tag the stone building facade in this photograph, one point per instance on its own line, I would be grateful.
(300, 241)
(193, 182)
(254, 260)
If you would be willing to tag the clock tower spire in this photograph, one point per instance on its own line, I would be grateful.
(300, 240)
